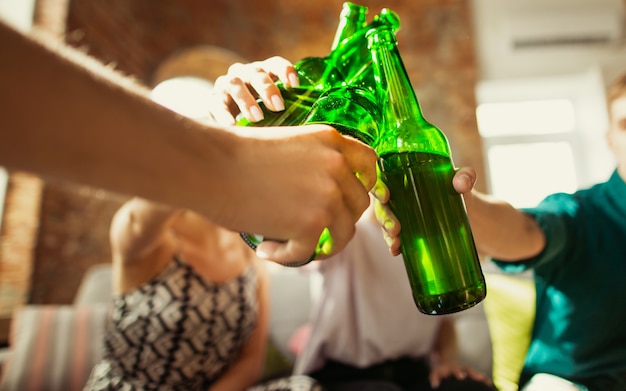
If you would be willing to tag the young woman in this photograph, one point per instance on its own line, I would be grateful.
(191, 304)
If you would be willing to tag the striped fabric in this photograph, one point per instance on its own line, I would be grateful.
(53, 347)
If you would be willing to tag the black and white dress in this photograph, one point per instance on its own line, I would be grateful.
(177, 332)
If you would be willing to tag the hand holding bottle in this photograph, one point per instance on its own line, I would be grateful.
(416, 165)
(317, 190)
(237, 91)
(335, 199)
(463, 182)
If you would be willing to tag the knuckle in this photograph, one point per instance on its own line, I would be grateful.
(235, 68)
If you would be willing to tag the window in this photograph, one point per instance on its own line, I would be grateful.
(542, 136)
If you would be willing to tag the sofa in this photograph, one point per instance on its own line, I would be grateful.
(53, 347)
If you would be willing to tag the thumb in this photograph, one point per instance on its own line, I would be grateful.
(290, 253)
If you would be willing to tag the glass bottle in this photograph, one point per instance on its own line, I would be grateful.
(348, 63)
(298, 102)
(356, 61)
(322, 73)
(315, 74)
(415, 163)
(352, 110)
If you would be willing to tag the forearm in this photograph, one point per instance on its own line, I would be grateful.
(445, 349)
(242, 375)
(66, 116)
(502, 231)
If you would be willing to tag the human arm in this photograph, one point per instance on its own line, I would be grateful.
(237, 92)
(445, 357)
(248, 368)
(142, 241)
(500, 230)
(66, 116)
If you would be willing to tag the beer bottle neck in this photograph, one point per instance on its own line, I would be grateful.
(351, 19)
(395, 91)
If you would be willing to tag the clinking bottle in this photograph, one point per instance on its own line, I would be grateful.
(321, 73)
(316, 74)
(416, 165)
(348, 63)
(348, 105)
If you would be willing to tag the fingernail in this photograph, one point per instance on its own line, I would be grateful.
(255, 114)
(293, 80)
(466, 179)
(388, 224)
(378, 190)
(360, 178)
(278, 103)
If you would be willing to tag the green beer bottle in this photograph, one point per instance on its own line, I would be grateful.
(322, 73)
(298, 102)
(356, 63)
(348, 104)
(315, 74)
(353, 111)
(415, 163)
(349, 63)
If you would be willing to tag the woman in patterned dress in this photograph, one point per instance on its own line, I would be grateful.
(190, 306)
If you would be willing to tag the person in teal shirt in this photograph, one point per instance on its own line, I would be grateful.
(576, 246)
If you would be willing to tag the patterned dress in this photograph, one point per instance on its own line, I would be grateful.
(177, 332)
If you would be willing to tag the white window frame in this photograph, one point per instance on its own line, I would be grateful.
(593, 160)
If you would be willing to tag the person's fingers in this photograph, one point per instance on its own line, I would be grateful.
(260, 83)
(289, 252)
(235, 88)
(460, 373)
(437, 375)
(222, 109)
(464, 180)
(237, 91)
(341, 231)
(393, 242)
(355, 195)
(380, 191)
(362, 160)
(244, 83)
(390, 225)
(298, 251)
(435, 380)
(282, 69)
(339, 198)
(478, 376)
(385, 217)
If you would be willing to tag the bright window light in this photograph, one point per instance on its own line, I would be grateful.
(525, 118)
(524, 174)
